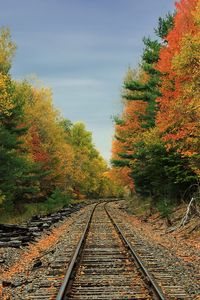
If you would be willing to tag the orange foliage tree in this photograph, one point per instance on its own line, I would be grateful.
(157, 136)
(178, 118)
(127, 132)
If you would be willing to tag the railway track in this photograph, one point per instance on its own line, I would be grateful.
(165, 272)
(104, 265)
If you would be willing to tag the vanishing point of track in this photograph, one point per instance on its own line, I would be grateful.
(105, 266)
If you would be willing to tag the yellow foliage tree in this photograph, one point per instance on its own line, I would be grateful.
(46, 139)
(186, 65)
(7, 50)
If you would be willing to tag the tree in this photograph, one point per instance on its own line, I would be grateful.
(140, 145)
(159, 173)
(17, 176)
(179, 113)
(41, 154)
(46, 140)
(140, 92)
(88, 165)
(7, 51)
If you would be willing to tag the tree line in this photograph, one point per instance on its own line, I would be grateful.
(155, 149)
(42, 154)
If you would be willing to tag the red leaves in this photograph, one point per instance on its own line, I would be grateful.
(127, 133)
(183, 23)
(36, 148)
(177, 118)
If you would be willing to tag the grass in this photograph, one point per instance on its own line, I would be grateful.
(29, 210)
(52, 204)
(143, 206)
(137, 206)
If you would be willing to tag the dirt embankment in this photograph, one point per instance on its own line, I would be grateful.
(183, 240)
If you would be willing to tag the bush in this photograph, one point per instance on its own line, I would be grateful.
(9, 214)
(164, 207)
(57, 200)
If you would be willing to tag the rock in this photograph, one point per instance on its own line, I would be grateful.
(33, 229)
(35, 218)
(5, 239)
(5, 228)
(6, 283)
(45, 219)
(13, 235)
(15, 238)
(27, 238)
(19, 281)
(35, 224)
(37, 264)
(36, 234)
(15, 244)
(45, 225)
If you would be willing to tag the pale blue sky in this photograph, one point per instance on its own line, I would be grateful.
(82, 49)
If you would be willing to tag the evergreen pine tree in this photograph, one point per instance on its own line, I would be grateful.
(17, 176)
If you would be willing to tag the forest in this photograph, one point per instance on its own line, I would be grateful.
(155, 151)
(102, 199)
(46, 160)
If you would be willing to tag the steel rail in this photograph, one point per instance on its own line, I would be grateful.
(153, 284)
(63, 289)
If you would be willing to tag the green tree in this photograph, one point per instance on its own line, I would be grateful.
(156, 171)
(16, 173)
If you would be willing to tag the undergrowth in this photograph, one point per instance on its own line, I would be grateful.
(138, 206)
(145, 206)
(165, 208)
(55, 202)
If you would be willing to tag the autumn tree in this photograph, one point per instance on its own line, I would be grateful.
(88, 167)
(16, 173)
(178, 118)
(140, 92)
(43, 157)
(46, 140)
(157, 170)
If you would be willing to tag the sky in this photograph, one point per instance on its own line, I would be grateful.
(82, 50)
